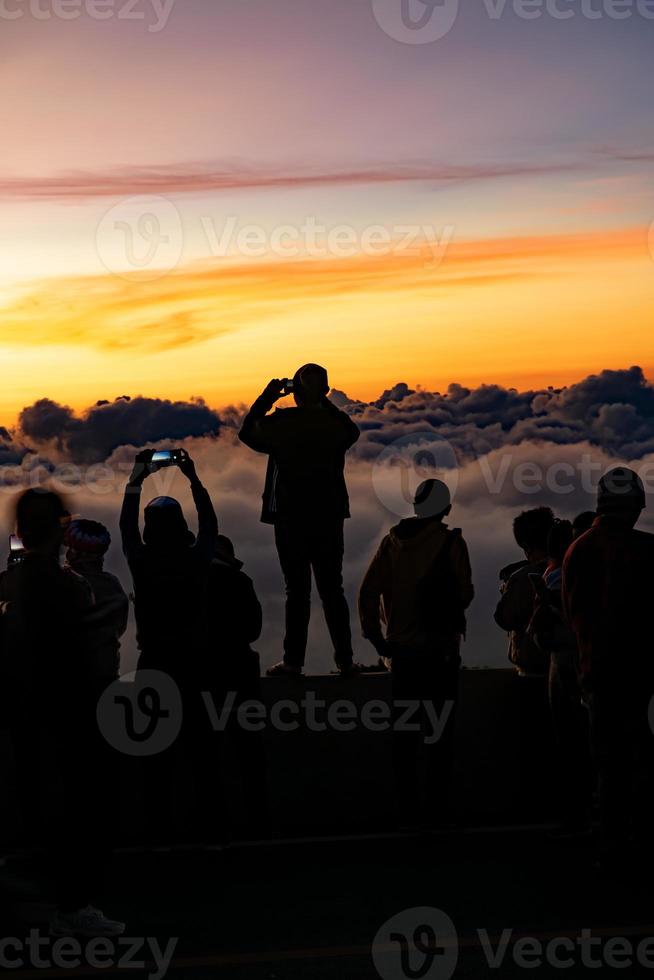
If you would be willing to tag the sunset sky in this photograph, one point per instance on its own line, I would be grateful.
(505, 170)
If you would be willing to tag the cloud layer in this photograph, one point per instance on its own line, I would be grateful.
(195, 178)
(493, 432)
(228, 176)
(613, 410)
(201, 301)
(93, 437)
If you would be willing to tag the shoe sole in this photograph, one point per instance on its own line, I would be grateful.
(83, 934)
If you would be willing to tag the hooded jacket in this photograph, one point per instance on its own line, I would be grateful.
(418, 584)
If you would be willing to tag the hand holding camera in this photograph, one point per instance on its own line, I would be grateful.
(16, 551)
(186, 464)
(142, 467)
(278, 388)
(149, 461)
(161, 458)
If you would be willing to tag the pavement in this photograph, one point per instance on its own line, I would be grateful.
(390, 906)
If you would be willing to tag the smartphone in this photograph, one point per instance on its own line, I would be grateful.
(288, 386)
(166, 457)
(16, 550)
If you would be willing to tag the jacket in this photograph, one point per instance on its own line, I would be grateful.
(306, 447)
(608, 584)
(105, 623)
(45, 662)
(407, 587)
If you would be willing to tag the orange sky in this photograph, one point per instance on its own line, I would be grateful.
(520, 311)
(523, 144)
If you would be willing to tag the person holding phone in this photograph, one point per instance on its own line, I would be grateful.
(16, 550)
(305, 499)
(170, 569)
(168, 563)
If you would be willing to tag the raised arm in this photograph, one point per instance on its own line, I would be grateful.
(207, 520)
(255, 431)
(129, 515)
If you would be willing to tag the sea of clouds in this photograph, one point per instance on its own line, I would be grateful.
(501, 450)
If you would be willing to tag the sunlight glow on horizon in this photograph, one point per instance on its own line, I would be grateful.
(522, 312)
(530, 139)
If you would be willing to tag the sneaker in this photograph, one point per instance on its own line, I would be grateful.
(283, 669)
(348, 670)
(89, 923)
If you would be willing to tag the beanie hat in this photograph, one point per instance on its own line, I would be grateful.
(87, 537)
(312, 380)
(165, 521)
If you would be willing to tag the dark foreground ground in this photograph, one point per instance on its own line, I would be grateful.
(308, 910)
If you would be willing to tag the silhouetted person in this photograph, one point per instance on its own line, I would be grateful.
(87, 543)
(53, 712)
(170, 569)
(418, 587)
(583, 522)
(608, 584)
(305, 497)
(554, 635)
(236, 621)
(235, 624)
(515, 609)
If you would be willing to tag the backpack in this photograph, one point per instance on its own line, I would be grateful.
(439, 603)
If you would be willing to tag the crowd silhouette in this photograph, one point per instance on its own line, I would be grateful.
(576, 610)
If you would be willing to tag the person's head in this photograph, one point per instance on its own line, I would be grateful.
(559, 540)
(583, 522)
(165, 525)
(41, 519)
(310, 384)
(87, 542)
(432, 499)
(621, 496)
(531, 530)
(224, 547)
(225, 551)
